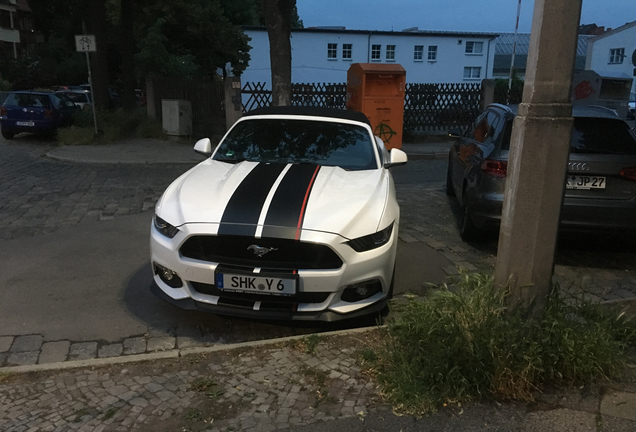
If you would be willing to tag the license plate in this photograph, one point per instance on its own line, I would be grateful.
(586, 182)
(255, 284)
(25, 123)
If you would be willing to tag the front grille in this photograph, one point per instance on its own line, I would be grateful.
(285, 254)
(300, 297)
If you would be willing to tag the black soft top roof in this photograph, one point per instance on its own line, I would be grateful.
(311, 111)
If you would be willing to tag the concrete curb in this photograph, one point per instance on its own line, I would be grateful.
(175, 353)
(115, 162)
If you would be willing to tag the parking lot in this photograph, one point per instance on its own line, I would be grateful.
(74, 258)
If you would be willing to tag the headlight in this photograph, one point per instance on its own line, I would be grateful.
(372, 241)
(164, 227)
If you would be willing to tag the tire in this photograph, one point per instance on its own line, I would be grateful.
(7, 135)
(390, 293)
(449, 182)
(468, 231)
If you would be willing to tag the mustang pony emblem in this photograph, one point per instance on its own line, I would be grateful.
(260, 250)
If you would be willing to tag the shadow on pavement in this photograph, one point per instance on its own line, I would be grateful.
(164, 319)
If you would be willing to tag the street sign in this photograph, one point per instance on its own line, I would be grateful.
(85, 43)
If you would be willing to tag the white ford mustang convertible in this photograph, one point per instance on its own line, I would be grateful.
(292, 216)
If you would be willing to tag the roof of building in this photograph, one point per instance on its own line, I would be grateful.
(408, 32)
(614, 31)
(505, 42)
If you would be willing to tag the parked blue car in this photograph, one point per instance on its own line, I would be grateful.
(35, 112)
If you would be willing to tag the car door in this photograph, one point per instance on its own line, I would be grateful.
(471, 150)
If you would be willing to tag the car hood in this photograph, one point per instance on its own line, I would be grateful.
(278, 200)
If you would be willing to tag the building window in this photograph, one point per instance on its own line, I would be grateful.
(474, 47)
(332, 51)
(346, 51)
(418, 53)
(5, 19)
(432, 53)
(390, 52)
(617, 55)
(472, 73)
(376, 52)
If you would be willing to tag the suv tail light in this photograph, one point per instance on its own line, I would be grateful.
(628, 173)
(3, 111)
(495, 168)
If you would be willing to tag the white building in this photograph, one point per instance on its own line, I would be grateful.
(323, 55)
(611, 53)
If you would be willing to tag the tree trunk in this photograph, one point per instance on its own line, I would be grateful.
(127, 46)
(99, 59)
(277, 15)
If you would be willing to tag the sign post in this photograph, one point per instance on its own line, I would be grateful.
(86, 44)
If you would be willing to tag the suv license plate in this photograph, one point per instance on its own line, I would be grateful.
(585, 182)
(25, 123)
(255, 284)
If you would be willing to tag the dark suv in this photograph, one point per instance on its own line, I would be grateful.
(600, 189)
(35, 111)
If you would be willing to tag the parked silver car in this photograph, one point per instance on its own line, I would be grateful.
(600, 189)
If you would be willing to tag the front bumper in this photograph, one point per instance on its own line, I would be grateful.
(324, 285)
(577, 214)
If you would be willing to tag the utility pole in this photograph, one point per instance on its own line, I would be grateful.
(538, 156)
(514, 50)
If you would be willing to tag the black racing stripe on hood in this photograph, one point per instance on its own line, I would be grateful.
(244, 207)
(286, 211)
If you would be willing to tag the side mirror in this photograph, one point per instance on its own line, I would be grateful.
(204, 147)
(396, 157)
(455, 133)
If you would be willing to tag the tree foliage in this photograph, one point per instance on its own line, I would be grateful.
(189, 39)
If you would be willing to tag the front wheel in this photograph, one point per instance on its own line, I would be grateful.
(449, 182)
(7, 135)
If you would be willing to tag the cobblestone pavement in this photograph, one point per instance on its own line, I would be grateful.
(313, 381)
(39, 195)
(265, 388)
(600, 267)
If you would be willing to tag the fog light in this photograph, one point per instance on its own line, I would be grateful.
(361, 291)
(169, 277)
(167, 274)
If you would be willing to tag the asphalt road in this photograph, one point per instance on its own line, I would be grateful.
(74, 254)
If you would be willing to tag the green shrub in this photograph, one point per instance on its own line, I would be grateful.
(5, 85)
(112, 126)
(464, 343)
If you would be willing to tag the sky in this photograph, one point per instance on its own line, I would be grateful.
(452, 15)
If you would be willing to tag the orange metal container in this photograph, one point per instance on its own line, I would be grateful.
(377, 90)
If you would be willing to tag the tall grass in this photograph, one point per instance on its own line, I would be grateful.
(467, 344)
(113, 126)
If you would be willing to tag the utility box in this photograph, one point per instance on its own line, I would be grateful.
(608, 89)
(377, 90)
(176, 117)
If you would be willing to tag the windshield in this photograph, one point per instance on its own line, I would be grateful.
(601, 135)
(593, 135)
(28, 100)
(299, 141)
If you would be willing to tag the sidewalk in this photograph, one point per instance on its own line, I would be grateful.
(297, 384)
(303, 383)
